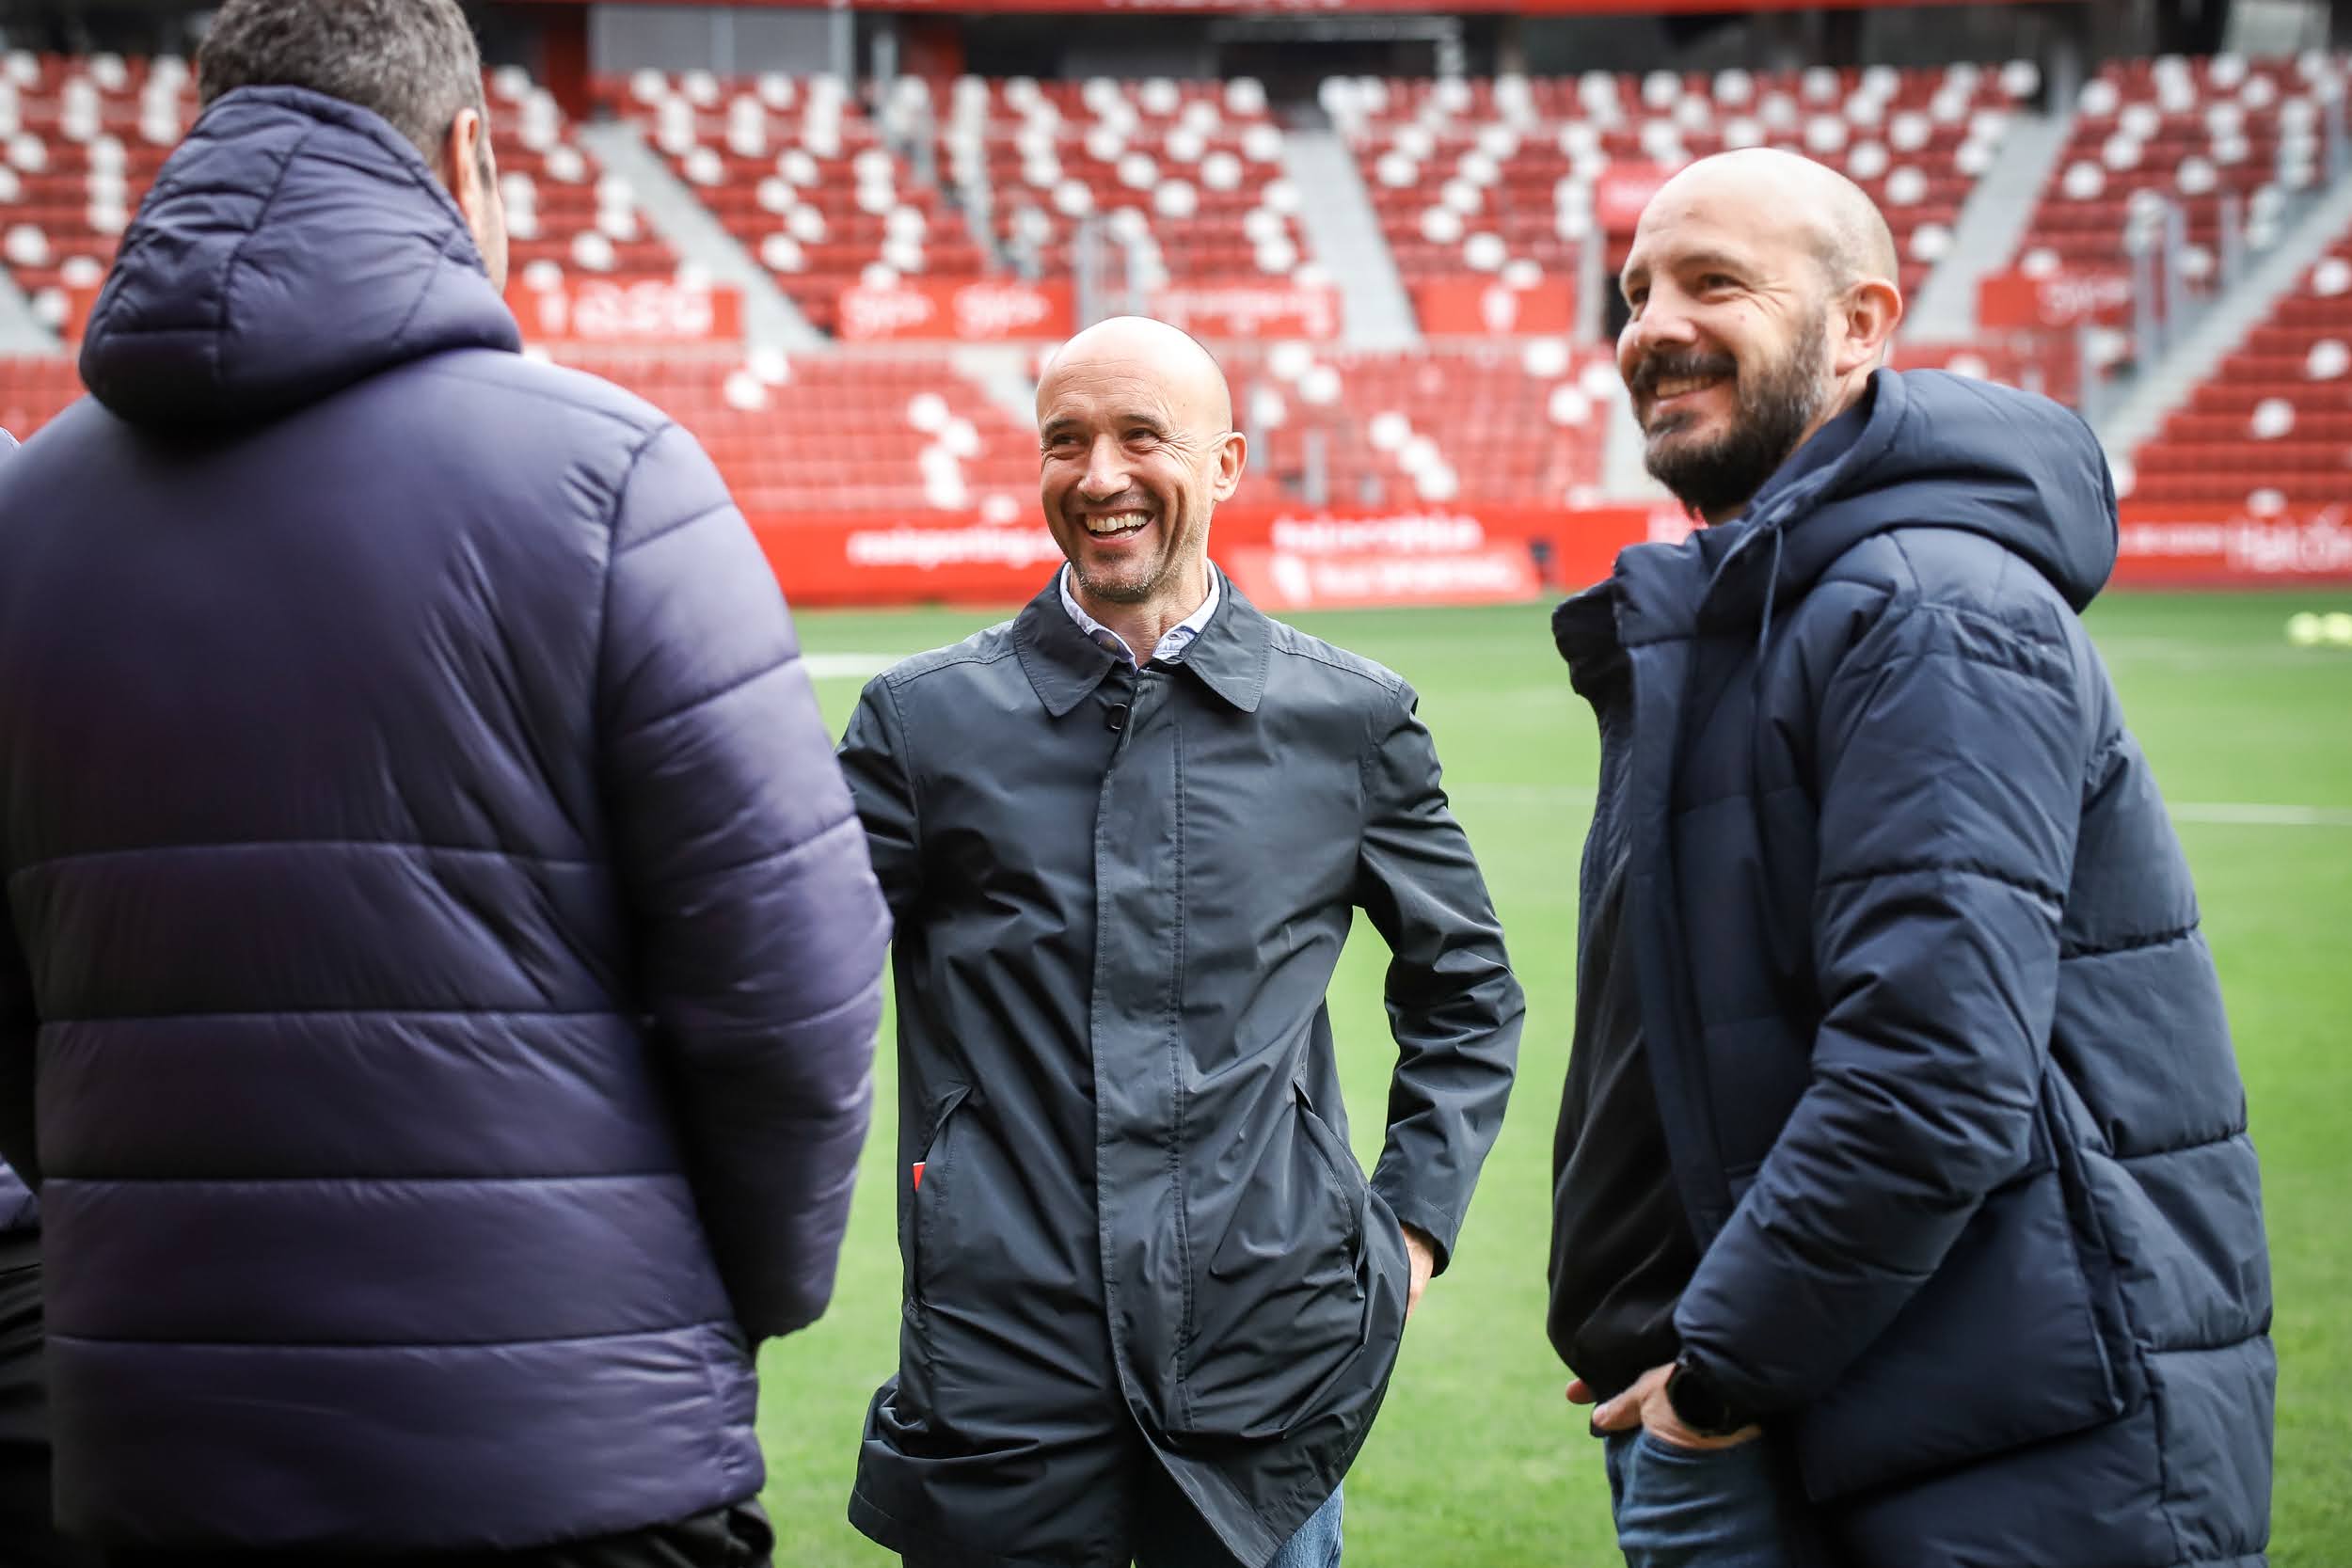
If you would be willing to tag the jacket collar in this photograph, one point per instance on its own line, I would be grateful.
(1064, 664)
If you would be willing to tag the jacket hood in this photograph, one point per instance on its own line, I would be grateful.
(293, 244)
(1943, 451)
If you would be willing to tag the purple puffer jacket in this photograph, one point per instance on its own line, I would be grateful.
(18, 1211)
(446, 961)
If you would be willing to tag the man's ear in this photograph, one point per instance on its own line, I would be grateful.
(1233, 454)
(464, 169)
(1870, 312)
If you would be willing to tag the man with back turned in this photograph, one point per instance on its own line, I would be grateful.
(441, 967)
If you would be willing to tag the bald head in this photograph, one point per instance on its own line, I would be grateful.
(1168, 357)
(1137, 448)
(1761, 292)
(1818, 207)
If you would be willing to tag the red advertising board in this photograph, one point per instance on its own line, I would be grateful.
(1489, 308)
(1279, 581)
(643, 310)
(988, 310)
(2013, 300)
(1269, 310)
(1452, 554)
(1621, 193)
(2215, 546)
(1290, 559)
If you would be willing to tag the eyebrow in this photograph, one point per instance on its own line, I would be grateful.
(1055, 426)
(1694, 260)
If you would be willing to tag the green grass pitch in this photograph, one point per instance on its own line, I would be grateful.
(1477, 1463)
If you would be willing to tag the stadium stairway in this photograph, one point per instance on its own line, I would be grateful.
(1344, 234)
(1993, 222)
(1625, 477)
(2169, 384)
(771, 319)
(1008, 375)
(20, 331)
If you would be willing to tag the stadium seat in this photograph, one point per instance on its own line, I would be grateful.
(2274, 421)
(83, 138)
(1469, 177)
(2193, 134)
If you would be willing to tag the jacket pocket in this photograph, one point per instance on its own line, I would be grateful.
(1342, 1176)
(2005, 1345)
(1297, 1319)
(921, 1206)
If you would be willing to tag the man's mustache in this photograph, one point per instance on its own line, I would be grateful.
(1668, 364)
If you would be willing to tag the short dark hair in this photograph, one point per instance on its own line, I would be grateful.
(412, 61)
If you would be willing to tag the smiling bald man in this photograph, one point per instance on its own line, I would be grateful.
(1904, 1215)
(1151, 1301)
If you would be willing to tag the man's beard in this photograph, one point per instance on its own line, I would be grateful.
(1138, 590)
(1777, 403)
(1146, 575)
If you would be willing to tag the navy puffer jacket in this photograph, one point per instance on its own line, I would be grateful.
(446, 960)
(1938, 1045)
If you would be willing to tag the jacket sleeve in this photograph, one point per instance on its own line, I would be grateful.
(1949, 775)
(760, 932)
(874, 759)
(1452, 1004)
(18, 1027)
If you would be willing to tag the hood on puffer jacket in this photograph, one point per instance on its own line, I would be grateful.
(1943, 451)
(293, 244)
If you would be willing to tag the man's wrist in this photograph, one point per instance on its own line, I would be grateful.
(1418, 1219)
(1699, 1401)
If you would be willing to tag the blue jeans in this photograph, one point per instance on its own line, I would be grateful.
(1689, 1507)
(1315, 1545)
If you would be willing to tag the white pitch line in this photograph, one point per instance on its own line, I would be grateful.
(848, 666)
(2237, 815)
(2234, 813)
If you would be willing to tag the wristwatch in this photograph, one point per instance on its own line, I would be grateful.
(1699, 1402)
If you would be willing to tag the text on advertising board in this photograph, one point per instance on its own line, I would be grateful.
(645, 310)
(986, 312)
(1488, 307)
(1251, 309)
(2019, 300)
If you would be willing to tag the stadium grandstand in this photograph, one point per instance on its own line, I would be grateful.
(834, 242)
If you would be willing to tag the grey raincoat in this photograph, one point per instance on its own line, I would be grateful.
(1139, 1237)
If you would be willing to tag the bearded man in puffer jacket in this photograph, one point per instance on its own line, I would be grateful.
(1905, 1211)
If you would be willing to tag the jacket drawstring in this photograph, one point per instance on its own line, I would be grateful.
(1783, 960)
(1771, 591)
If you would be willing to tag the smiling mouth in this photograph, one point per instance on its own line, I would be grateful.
(1668, 388)
(1116, 525)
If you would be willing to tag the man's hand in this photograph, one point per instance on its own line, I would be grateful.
(1645, 1406)
(1422, 1249)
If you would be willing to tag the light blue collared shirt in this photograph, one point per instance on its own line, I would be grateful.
(1173, 641)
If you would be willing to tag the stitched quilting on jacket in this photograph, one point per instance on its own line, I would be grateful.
(1939, 1047)
(445, 960)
